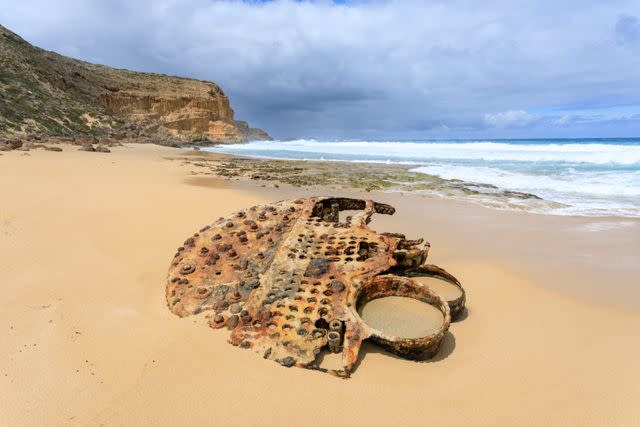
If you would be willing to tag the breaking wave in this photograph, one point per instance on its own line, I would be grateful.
(597, 177)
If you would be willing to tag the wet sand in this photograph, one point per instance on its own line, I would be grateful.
(401, 317)
(447, 291)
(86, 238)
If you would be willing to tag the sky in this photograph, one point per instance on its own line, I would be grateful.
(374, 69)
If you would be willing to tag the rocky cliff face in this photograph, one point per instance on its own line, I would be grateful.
(45, 93)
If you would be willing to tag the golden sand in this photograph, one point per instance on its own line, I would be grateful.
(86, 240)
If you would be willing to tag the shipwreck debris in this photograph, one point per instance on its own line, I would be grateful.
(287, 278)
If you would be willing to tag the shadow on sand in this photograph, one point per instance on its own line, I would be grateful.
(446, 347)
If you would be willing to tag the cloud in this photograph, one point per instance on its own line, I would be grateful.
(510, 118)
(628, 29)
(379, 68)
(562, 120)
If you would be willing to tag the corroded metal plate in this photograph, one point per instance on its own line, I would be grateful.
(286, 278)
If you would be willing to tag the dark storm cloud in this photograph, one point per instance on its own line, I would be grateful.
(372, 69)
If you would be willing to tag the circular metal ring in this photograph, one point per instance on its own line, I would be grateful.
(391, 285)
(456, 305)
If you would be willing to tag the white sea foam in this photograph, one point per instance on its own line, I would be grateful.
(606, 226)
(584, 177)
(594, 153)
(623, 184)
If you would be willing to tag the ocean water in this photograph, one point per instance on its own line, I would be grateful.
(591, 177)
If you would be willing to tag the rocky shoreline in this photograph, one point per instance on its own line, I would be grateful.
(35, 142)
(85, 142)
(303, 174)
(360, 176)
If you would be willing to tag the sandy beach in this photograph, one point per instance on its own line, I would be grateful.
(86, 239)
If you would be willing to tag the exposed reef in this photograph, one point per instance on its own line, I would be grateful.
(360, 176)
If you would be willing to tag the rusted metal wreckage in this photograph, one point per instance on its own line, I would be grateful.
(286, 279)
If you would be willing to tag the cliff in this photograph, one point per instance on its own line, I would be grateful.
(44, 93)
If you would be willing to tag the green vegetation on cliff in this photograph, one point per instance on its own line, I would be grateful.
(44, 93)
